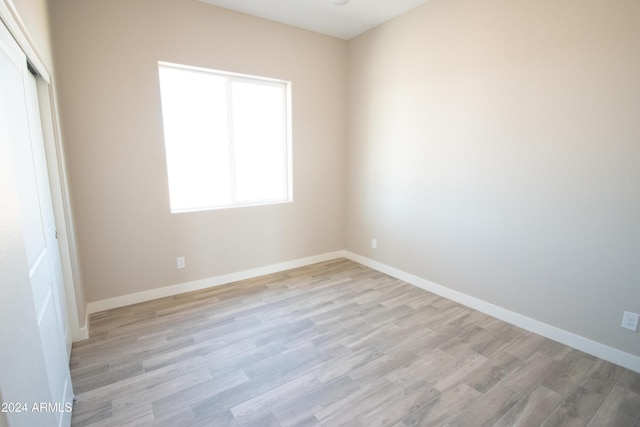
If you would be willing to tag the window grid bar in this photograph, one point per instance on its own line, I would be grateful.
(232, 154)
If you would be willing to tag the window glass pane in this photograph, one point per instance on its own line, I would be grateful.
(226, 138)
(194, 109)
(259, 136)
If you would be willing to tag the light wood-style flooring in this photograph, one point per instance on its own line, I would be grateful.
(334, 344)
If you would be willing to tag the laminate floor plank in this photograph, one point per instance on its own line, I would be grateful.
(622, 407)
(301, 410)
(193, 394)
(444, 406)
(397, 405)
(492, 371)
(487, 409)
(532, 409)
(366, 399)
(381, 366)
(260, 406)
(584, 400)
(334, 344)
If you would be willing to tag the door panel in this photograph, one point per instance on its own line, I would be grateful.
(46, 205)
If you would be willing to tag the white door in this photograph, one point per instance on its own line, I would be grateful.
(19, 109)
(46, 207)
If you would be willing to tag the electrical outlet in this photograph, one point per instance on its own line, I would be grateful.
(630, 321)
(181, 263)
(374, 243)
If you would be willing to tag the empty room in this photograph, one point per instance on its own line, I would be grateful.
(320, 213)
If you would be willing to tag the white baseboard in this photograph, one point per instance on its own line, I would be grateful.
(81, 333)
(167, 291)
(581, 343)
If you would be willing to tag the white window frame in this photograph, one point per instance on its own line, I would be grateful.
(288, 172)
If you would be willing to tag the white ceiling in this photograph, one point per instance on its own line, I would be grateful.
(323, 16)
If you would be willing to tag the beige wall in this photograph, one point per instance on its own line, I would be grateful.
(106, 61)
(494, 148)
(34, 14)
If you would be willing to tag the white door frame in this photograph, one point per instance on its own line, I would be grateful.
(78, 317)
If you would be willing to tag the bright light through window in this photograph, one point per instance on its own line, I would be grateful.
(226, 138)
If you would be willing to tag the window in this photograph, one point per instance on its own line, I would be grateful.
(226, 137)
